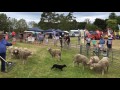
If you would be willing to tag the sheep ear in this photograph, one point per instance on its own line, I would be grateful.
(92, 58)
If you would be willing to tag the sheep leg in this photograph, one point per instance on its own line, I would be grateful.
(83, 65)
(23, 62)
(78, 64)
(60, 56)
(107, 68)
(73, 63)
(83, 68)
(103, 72)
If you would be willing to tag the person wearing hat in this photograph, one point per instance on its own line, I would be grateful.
(109, 42)
(3, 44)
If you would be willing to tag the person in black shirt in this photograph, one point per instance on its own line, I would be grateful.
(60, 38)
(68, 40)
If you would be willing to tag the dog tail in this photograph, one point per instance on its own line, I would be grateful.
(51, 68)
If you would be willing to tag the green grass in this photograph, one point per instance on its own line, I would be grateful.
(40, 63)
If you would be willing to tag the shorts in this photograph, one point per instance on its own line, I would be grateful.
(88, 44)
(109, 46)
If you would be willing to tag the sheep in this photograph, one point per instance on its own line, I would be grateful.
(78, 58)
(19, 53)
(11, 50)
(93, 59)
(15, 52)
(102, 65)
(55, 52)
(23, 54)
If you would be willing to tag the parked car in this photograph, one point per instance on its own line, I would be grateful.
(93, 34)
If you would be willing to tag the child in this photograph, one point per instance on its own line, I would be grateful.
(94, 41)
(95, 49)
(88, 41)
(109, 42)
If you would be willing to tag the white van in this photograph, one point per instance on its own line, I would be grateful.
(75, 33)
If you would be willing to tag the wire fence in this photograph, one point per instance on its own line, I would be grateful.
(112, 54)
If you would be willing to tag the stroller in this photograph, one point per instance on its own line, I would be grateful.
(9, 64)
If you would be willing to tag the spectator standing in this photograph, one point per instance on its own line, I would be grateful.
(102, 42)
(46, 38)
(88, 41)
(3, 44)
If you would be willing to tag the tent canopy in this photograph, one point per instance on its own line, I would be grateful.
(58, 30)
(36, 29)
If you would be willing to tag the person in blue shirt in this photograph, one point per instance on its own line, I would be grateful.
(102, 42)
(3, 44)
(109, 43)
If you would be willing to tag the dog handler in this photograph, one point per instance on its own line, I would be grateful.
(3, 44)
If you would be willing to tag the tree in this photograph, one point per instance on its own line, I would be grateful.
(21, 25)
(118, 19)
(112, 15)
(91, 27)
(12, 24)
(4, 22)
(57, 21)
(100, 23)
(87, 21)
(32, 24)
(81, 25)
(112, 23)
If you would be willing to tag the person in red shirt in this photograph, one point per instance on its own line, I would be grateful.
(6, 36)
(13, 34)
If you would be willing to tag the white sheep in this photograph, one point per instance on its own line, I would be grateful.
(19, 53)
(10, 50)
(102, 65)
(55, 53)
(93, 59)
(78, 58)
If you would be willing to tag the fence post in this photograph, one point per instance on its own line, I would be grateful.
(87, 50)
(107, 52)
(112, 55)
(98, 53)
(80, 49)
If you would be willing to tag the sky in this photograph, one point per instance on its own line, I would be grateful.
(80, 16)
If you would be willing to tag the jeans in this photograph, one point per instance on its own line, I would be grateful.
(3, 55)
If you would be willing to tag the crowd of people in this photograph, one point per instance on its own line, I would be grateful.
(102, 44)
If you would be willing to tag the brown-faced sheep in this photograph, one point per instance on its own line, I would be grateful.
(78, 58)
(102, 65)
(93, 59)
(55, 53)
(12, 50)
(19, 53)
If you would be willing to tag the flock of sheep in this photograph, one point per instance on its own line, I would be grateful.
(94, 63)
(19, 53)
